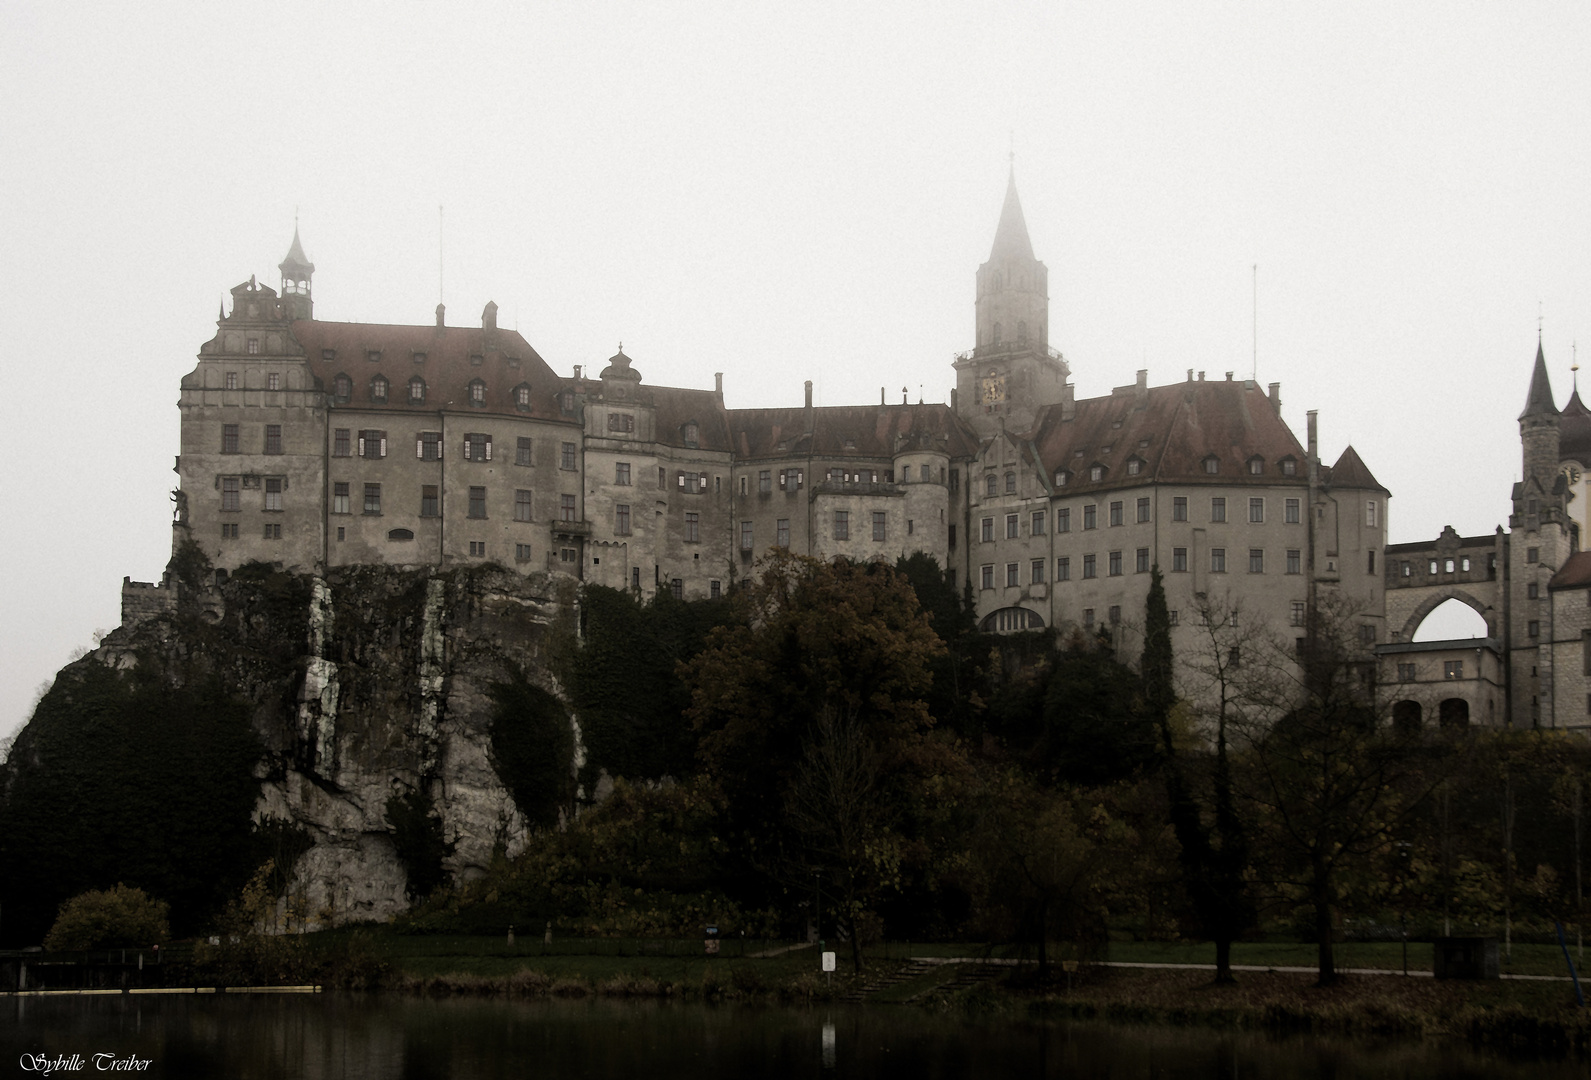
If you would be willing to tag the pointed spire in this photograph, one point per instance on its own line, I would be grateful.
(1539, 401)
(1011, 235)
(295, 254)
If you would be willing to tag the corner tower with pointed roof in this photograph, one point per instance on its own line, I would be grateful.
(296, 273)
(1011, 371)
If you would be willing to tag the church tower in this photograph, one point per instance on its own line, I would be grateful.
(1011, 371)
(296, 272)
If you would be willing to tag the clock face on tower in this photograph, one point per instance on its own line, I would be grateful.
(991, 388)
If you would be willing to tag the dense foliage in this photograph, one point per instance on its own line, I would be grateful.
(119, 917)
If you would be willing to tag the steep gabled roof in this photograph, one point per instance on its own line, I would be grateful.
(849, 431)
(1351, 472)
(1173, 430)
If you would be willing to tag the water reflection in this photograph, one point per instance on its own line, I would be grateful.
(349, 1037)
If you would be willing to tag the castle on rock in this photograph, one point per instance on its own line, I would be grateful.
(314, 444)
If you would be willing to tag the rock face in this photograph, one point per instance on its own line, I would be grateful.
(369, 683)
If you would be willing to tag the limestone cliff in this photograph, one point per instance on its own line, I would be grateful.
(366, 684)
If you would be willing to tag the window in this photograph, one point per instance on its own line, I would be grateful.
(1010, 483)
(230, 498)
(521, 552)
(1256, 511)
(878, 524)
(372, 444)
(1088, 618)
(1060, 477)
(1532, 555)
(1063, 520)
(566, 456)
(273, 493)
(1212, 465)
(1367, 634)
(1533, 628)
(229, 530)
(566, 403)
(765, 482)
(477, 502)
(745, 536)
(689, 482)
(1295, 561)
(1217, 509)
(1115, 513)
(1063, 569)
(378, 389)
(1115, 564)
(693, 528)
(1179, 508)
(232, 384)
(1011, 581)
(1089, 568)
(987, 534)
(991, 485)
(1179, 560)
(1141, 561)
(1090, 518)
(229, 438)
(1218, 560)
(478, 548)
(522, 505)
(566, 508)
(842, 525)
(662, 477)
(987, 577)
(522, 450)
(339, 498)
(1134, 466)
(1297, 613)
(1143, 510)
(1173, 616)
(417, 390)
(1433, 566)
(1406, 673)
(477, 446)
(621, 519)
(621, 473)
(1256, 560)
(1096, 472)
(1463, 564)
(1371, 513)
(428, 447)
(692, 434)
(1290, 511)
(1256, 466)
(676, 588)
(273, 531)
(1533, 591)
(1011, 527)
(1289, 466)
(430, 507)
(273, 438)
(621, 422)
(782, 533)
(1114, 614)
(1038, 571)
(372, 498)
(273, 381)
(1370, 566)
(522, 401)
(1452, 669)
(715, 589)
(341, 442)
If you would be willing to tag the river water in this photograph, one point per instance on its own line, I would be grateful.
(359, 1037)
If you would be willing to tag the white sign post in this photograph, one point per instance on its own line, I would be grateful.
(828, 967)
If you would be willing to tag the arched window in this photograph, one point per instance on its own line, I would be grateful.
(991, 485)
(416, 390)
(1010, 483)
(378, 389)
(477, 393)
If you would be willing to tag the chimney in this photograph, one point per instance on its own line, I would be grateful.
(809, 393)
(1229, 376)
(1143, 378)
(903, 393)
(489, 316)
(808, 415)
(1276, 397)
(954, 400)
(718, 383)
(1190, 374)
(577, 371)
(1068, 401)
(1201, 376)
(440, 310)
(1314, 446)
(881, 395)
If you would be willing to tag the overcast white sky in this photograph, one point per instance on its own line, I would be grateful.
(782, 193)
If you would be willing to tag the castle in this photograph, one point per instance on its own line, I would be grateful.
(1050, 510)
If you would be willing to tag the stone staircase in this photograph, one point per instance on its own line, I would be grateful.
(883, 980)
(968, 976)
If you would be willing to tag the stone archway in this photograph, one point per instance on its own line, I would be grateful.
(1407, 717)
(1442, 596)
(1453, 712)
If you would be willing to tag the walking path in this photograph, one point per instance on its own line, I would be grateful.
(1211, 967)
(778, 952)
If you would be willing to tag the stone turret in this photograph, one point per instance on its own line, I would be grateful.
(297, 302)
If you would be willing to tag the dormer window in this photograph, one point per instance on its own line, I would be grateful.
(416, 390)
(1289, 466)
(1212, 465)
(378, 389)
(476, 360)
(419, 358)
(522, 397)
(342, 388)
(566, 403)
(1096, 472)
(1061, 476)
(477, 393)
(1134, 466)
(692, 433)
(374, 356)
(1256, 466)
(328, 354)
